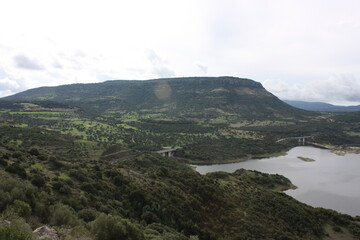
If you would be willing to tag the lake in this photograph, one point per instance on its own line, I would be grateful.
(331, 181)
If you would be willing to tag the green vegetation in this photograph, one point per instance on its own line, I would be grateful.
(221, 119)
(143, 195)
(85, 166)
(220, 100)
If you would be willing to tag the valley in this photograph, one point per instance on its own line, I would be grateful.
(81, 158)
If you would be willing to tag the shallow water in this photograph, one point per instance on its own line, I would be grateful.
(331, 181)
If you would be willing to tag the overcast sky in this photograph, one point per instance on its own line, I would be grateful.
(299, 50)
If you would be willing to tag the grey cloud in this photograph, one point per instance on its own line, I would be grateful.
(202, 67)
(56, 64)
(153, 57)
(79, 53)
(343, 87)
(339, 89)
(2, 72)
(164, 72)
(159, 65)
(22, 61)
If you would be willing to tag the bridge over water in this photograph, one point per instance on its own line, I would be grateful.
(167, 152)
(301, 139)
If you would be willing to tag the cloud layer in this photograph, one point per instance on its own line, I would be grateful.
(297, 49)
(337, 89)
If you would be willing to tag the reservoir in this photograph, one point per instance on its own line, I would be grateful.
(331, 181)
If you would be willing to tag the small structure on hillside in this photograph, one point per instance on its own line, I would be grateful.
(167, 152)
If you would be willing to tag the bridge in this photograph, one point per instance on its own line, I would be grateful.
(167, 152)
(301, 139)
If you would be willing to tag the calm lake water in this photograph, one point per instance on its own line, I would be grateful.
(331, 181)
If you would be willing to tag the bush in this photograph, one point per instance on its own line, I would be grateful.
(17, 230)
(34, 152)
(354, 229)
(19, 208)
(42, 157)
(108, 227)
(38, 181)
(87, 215)
(3, 162)
(16, 155)
(55, 163)
(7, 233)
(63, 215)
(5, 199)
(16, 168)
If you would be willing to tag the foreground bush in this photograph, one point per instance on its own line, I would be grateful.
(108, 227)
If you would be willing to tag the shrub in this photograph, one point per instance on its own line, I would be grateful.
(108, 227)
(34, 151)
(87, 215)
(16, 155)
(19, 208)
(9, 232)
(16, 168)
(5, 199)
(63, 215)
(38, 181)
(17, 230)
(3, 162)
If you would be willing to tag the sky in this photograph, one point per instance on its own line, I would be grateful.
(299, 50)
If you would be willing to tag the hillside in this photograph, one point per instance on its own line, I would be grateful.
(201, 98)
(49, 178)
(322, 107)
(91, 174)
(210, 120)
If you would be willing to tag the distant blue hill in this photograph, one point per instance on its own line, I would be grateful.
(321, 107)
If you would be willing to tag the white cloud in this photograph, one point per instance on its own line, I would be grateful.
(6, 83)
(8, 87)
(6, 92)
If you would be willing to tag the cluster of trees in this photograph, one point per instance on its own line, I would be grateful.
(208, 150)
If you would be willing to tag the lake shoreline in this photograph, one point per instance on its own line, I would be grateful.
(238, 160)
(330, 182)
(338, 150)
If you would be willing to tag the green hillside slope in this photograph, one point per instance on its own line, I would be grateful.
(46, 178)
(194, 97)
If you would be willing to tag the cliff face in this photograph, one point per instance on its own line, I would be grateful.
(200, 97)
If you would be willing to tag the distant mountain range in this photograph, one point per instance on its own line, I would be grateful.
(192, 97)
(321, 107)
